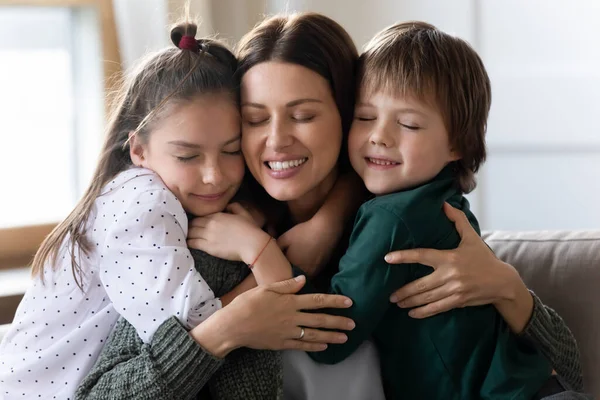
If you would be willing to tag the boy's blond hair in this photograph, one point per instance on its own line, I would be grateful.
(417, 59)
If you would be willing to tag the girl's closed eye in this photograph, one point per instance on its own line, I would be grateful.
(230, 152)
(186, 158)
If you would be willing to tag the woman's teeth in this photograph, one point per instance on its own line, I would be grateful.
(281, 165)
(381, 162)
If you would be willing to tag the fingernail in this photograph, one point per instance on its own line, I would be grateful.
(393, 298)
(342, 339)
(299, 278)
(411, 313)
(351, 325)
(347, 302)
(388, 258)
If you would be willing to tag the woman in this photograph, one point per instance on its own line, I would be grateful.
(297, 97)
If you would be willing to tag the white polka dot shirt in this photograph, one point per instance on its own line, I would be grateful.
(140, 268)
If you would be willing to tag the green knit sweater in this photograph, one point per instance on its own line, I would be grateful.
(174, 366)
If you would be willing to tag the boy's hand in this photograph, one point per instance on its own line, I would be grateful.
(309, 245)
(229, 236)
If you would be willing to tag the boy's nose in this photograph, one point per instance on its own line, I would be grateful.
(379, 137)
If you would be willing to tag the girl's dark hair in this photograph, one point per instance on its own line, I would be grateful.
(313, 41)
(161, 80)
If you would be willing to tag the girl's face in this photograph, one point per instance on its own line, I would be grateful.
(195, 149)
(292, 130)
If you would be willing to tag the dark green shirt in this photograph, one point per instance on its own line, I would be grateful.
(466, 353)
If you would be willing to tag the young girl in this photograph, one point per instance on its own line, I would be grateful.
(173, 148)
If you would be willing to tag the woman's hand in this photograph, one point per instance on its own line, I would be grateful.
(309, 245)
(271, 317)
(231, 236)
(469, 275)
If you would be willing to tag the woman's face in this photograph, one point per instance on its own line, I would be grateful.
(291, 129)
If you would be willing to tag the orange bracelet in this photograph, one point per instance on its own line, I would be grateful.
(257, 257)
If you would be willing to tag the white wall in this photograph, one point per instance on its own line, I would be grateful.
(543, 58)
(142, 26)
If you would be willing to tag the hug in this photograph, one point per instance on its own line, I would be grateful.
(240, 236)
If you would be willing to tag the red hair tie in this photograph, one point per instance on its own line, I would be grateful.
(188, 43)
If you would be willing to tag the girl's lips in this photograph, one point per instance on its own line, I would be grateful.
(210, 197)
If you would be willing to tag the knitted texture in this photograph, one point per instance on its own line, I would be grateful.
(172, 366)
(246, 373)
(548, 330)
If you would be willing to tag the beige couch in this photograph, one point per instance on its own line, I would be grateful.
(563, 268)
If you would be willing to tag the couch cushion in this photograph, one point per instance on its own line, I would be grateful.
(563, 269)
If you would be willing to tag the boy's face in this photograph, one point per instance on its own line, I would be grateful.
(397, 143)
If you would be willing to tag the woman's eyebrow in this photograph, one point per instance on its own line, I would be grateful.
(302, 101)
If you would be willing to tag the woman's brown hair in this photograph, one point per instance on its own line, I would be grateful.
(161, 80)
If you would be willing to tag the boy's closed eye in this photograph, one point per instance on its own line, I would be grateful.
(409, 125)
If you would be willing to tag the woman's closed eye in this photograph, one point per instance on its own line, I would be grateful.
(255, 120)
(303, 117)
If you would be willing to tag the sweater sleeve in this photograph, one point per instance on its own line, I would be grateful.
(547, 329)
(171, 366)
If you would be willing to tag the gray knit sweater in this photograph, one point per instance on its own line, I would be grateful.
(174, 366)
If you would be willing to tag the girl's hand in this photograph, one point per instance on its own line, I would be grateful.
(249, 212)
(309, 245)
(229, 236)
(466, 276)
(271, 317)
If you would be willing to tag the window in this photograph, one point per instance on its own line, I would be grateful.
(54, 82)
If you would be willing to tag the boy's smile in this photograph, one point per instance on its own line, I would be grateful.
(397, 142)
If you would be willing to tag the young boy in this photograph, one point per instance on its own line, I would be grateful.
(417, 140)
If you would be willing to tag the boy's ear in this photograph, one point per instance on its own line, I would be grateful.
(454, 155)
(136, 150)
